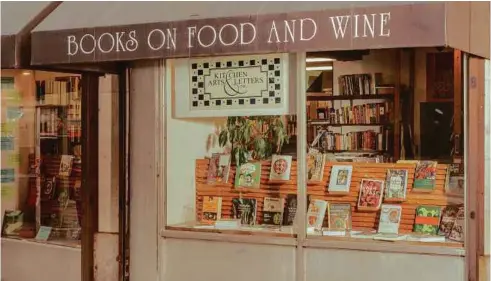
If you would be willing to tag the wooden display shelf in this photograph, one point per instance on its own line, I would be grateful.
(325, 97)
(318, 190)
(450, 244)
(249, 231)
(315, 122)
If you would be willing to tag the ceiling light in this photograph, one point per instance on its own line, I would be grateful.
(311, 68)
(26, 73)
(318, 59)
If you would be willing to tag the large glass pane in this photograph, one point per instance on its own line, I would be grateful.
(231, 172)
(41, 156)
(385, 159)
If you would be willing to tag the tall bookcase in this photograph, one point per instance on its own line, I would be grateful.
(363, 105)
(58, 137)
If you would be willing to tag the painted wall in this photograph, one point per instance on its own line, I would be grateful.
(344, 265)
(28, 261)
(220, 261)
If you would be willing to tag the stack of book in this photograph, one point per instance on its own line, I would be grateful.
(374, 113)
(355, 85)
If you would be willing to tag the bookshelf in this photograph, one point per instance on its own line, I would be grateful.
(361, 106)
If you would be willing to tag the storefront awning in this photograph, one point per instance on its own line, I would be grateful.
(17, 21)
(86, 32)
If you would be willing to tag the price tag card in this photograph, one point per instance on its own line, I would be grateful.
(43, 233)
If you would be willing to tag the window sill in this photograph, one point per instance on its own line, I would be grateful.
(73, 245)
(405, 247)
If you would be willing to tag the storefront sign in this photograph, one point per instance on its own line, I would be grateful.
(236, 82)
(357, 28)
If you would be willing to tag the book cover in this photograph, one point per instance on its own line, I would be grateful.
(280, 167)
(455, 180)
(316, 213)
(315, 166)
(425, 176)
(340, 180)
(290, 209)
(458, 228)
(48, 189)
(12, 222)
(339, 216)
(65, 165)
(273, 210)
(390, 219)
(371, 192)
(427, 219)
(218, 168)
(449, 215)
(245, 210)
(212, 209)
(248, 175)
(396, 184)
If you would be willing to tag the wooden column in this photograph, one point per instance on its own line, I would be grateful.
(90, 171)
(475, 166)
(458, 95)
(397, 106)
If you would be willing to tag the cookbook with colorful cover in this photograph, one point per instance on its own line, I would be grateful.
(316, 213)
(315, 166)
(245, 210)
(454, 184)
(273, 210)
(212, 209)
(427, 219)
(371, 192)
(339, 216)
(396, 184)
(248, 175)
(449, 215)
(340, 180)
(390, 219)
(458, 228)
(280, 168)
(425, 176)
(290, 209)
(219, 168)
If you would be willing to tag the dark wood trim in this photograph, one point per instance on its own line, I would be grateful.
(90, 171)
(475, 167)
(457, 99)
(8, 51)
(124, 194)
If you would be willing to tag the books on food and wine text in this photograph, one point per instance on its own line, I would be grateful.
(219, 168)
(280, 168)
(371, 192)
(340, 180)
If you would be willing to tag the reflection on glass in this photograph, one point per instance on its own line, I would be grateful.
(41, 156)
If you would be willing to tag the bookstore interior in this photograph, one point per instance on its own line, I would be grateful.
(41, 156)
(385, 134)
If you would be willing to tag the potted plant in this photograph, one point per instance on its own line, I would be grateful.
(253, 138)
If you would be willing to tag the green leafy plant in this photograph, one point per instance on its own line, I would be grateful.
(256, 137)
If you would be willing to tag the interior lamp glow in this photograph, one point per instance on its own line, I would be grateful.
(313, 68)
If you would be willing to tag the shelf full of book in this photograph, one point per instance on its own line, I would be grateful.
(406, 201)
(56, 165)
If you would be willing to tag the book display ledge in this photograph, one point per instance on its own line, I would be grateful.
(363, 223)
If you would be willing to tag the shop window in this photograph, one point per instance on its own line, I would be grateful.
(41, 156)
(230, 153)
(384, 162)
